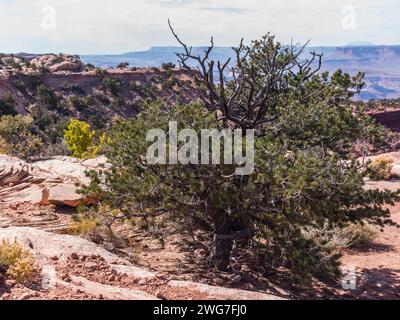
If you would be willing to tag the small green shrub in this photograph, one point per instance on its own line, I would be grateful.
(5, 148)
(20, 85)
(34, 81)
(78, 103)
(341, 238)
(117, 104)
(46, 96)
(90, 66)
(84, 226)
(19, 263)
(7, 106)
(361, 234)
(380, 168)
(168, 66)
(17, 137)
(100, 71)
(123, 65)
(113, 85)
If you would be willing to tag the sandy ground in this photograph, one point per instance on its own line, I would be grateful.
(378, 266)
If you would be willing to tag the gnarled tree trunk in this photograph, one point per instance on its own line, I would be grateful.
(221, 251)
(226, 232)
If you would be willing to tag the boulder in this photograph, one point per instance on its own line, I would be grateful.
(56, 63)
(69, 168)
(64, 195)
(73, 66)
(46, 182)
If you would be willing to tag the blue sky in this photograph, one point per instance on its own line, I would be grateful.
(99, 26)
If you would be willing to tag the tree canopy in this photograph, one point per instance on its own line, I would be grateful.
(305, 178)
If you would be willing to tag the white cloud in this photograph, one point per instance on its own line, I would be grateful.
(94, 26)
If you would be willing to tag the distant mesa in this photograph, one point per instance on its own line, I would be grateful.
(380, 63)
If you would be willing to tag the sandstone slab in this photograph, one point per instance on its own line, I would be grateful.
(107, 291)
(46, 182)
(221, 293)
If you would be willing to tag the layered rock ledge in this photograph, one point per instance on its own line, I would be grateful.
(44, 182)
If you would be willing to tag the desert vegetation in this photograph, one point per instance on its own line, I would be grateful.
(18, 263)
(380, 168)
(305, 202)
(51, 107)
(16, 137)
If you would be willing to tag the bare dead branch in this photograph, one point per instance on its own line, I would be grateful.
(244, 94)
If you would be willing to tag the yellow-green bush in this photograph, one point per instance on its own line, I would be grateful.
(380, 168)
(79, 137)
(5, 148)
(83, 226)
(344, 237)
(19, 263)
(361, 233)
(97, 147)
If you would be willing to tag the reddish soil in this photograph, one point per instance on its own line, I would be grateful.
(11, 290)
(378, 266)
(95, 269)
(183, 257)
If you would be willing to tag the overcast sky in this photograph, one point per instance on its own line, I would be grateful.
(116, 26)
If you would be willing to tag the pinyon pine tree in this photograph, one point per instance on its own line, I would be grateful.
(305, 176)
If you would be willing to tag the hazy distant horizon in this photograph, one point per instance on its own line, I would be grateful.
(200, 46)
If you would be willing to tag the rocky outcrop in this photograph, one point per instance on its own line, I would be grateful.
(56, 63)
(48, 245)
(67, 168)
(221, 293)
(78, 264)
(45, 182)
(51, 250)
(106, 291)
